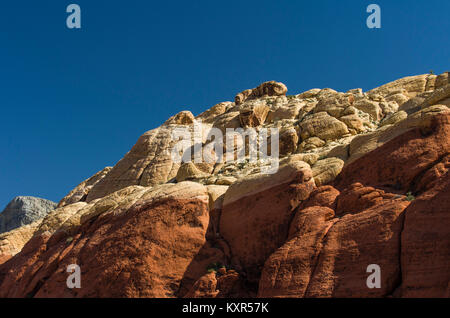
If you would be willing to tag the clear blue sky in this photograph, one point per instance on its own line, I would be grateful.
(75, 101)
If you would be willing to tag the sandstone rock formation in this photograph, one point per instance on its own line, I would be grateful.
(271, 88)
(13, 241)
(263, 205)
(363, 179)
(148, 163)
(24, 210)
(253, 116)
(164, 228)
(340, 230)
(425, 237)
(82, 190)
(326, 170)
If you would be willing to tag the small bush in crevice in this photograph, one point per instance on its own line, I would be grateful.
(410, 197)
(214, 267)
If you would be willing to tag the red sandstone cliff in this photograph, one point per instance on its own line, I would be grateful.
(280, 235)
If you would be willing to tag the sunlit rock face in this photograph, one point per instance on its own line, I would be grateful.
(362, 178)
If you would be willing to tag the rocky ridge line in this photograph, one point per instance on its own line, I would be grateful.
(363, 179)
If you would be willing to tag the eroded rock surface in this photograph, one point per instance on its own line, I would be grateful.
(82, 190)
(363, 179)
(144, 251)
